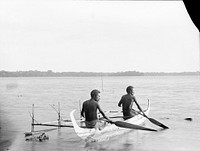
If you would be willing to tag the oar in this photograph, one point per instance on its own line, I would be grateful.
(124, 125)
(130, 126)
(153, 120)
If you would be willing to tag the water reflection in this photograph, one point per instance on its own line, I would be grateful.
(126, 142)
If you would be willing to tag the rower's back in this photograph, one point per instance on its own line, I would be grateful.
(90, 110)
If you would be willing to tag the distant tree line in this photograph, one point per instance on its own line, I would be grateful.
(172, 73)
(50, 73)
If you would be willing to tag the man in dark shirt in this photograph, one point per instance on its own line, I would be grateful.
(89, 110)
(127, 101)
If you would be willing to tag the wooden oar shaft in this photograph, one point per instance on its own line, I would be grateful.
(121, 117)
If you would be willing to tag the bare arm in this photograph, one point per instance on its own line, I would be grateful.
(82, 111)
(120, 103)
(101, 111)
(137, 104)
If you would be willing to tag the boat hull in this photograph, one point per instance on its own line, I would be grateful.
(95, 135)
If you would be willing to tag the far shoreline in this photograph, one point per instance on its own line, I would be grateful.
(50, 73)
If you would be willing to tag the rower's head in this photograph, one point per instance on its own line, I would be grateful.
(130, 90)
(95, 94)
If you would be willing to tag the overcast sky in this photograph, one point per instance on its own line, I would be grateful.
(97, 36)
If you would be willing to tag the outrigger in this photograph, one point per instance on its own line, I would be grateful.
(91, 134)
(57, 123)
(60, 122)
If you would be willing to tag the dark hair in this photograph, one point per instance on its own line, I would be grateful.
(94, 93)
(128, 89)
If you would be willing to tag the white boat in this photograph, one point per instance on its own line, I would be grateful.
(96, 135)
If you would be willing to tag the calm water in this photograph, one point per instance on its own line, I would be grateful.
(172, 100)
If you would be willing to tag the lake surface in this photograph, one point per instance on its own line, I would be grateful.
(173, 98)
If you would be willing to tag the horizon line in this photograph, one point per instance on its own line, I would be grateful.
(99, 71)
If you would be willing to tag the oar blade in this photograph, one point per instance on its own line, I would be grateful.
(158, 123)
(131, 126)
